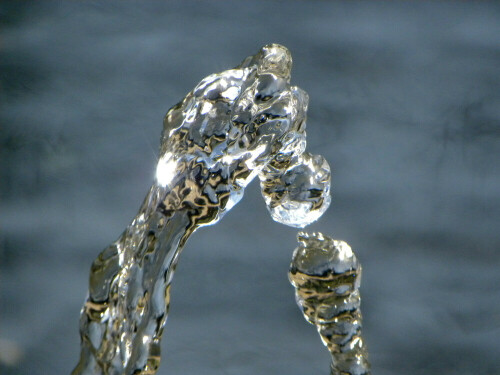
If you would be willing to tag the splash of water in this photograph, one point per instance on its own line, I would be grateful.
(233, 126)
(326, 275)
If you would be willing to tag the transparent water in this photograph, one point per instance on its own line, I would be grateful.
(233, 126)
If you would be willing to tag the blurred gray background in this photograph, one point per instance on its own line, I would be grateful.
(404, 103)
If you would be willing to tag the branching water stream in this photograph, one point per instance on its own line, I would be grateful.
(234, 126)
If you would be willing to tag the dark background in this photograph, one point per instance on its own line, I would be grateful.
(404, 103)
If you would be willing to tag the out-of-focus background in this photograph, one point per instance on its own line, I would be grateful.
(404, 103)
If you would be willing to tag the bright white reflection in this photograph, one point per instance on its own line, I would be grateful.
(165, 170)
(345, 252)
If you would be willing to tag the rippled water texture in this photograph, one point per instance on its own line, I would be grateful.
(231, 127)
(326, 275)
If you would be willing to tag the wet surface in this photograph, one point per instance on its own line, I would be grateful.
(404, 104)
